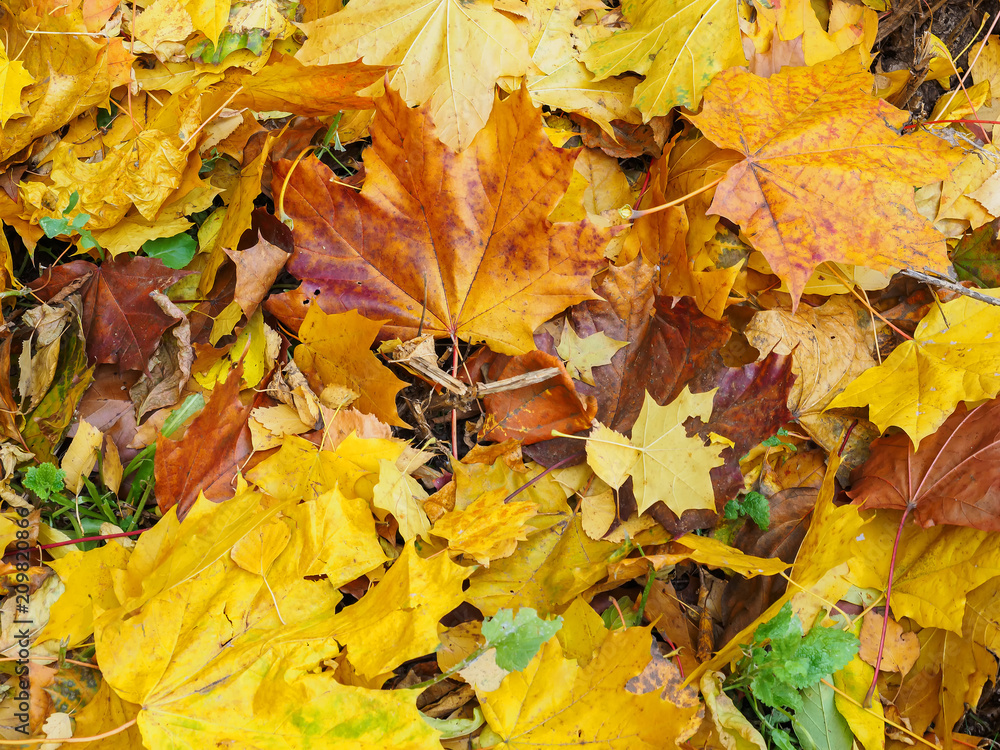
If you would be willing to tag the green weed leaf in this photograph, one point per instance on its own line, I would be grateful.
(518, 638)
(44, 480)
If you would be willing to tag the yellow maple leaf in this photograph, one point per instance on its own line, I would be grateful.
(143, 171)
(450, 53)
(87, 577)
(397, 621)
(677, 44)
(954, 356)
(13, 79)
(668, 465)
(300, 470)
(582, 355)
(336, 350)
(572, 88)
(195, 646)
(208, 16)
(554, 702)
(488, 529)
(556, 563)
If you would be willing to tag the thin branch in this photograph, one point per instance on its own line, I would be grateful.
(953, 286)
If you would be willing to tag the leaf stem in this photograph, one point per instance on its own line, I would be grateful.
(454, 670)
(553, 467)
(628, 213)
(98, 538)
(47, 740)
(888, 593)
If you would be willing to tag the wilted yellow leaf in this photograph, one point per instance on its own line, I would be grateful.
(735, 730)
(335, 350)
(81, 456)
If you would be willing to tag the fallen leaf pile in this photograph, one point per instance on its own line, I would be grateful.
(495, 373)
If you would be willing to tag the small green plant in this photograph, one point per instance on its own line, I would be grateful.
(45, 480)
(76, 225)
(753, 505)
(48, 483)
(783, 667)
(775, 440)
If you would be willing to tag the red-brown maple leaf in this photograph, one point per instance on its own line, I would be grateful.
(458, 244)
(121, 322)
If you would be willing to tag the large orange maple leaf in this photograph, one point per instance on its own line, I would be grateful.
(826, 174)
(459, 243)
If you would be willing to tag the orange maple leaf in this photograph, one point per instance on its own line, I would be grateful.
(459, 243)
(826, 173)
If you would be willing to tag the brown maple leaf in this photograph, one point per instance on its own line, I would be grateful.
(121, 322)
(952, 478)
(458, 244)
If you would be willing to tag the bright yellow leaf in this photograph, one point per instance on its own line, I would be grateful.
(715, 554)
(555, 564)
(13, 79)
(572, 88)
(671, 466)
(397, 620)
(582, 355)
(954, 356)
(936, 568)
(261, 708)
(300, 470)
(611, 455)
(208, 16)
(87, 577)
(333, 536)
(141, 172)
(489, 528)
(677, 44)
(401, 495)
(450, 53)
(868, 725)
(554, 702)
